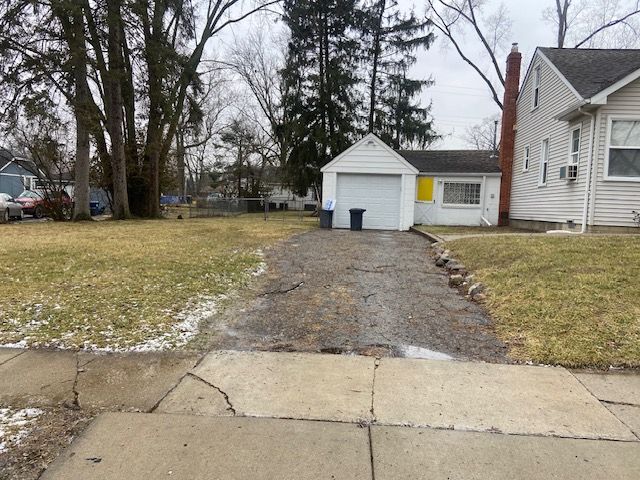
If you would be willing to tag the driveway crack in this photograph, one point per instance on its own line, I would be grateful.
(230, 407)
(11, 358)
(75, 405)
(286, 290)
(376, 363)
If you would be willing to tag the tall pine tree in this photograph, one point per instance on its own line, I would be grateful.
(320, 78)
(395, 113)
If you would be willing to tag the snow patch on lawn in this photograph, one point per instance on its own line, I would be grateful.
(15, 425)
(159, 337)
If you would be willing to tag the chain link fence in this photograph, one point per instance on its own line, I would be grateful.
(270, 209)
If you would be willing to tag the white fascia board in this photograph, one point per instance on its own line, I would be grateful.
(444, 174)
(600, 98)
(365, 139)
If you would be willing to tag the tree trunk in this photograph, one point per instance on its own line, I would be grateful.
(115, 117)
(72, 20)
(376, 56)
(180, 153)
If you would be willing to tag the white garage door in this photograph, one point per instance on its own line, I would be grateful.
(378, 194)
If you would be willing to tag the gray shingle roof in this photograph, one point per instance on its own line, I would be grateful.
(590, 71)
(5, 156)
(453, 161)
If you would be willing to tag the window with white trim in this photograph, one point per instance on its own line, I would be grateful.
(527, 158)
(624, 149)
(459, 193)
(574, 153)
(544, 162)
(536, 87)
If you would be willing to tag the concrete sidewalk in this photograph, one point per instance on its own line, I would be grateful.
(241, 415)
(250, 415)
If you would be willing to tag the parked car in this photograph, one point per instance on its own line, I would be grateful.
(9, 208)
(38, 203)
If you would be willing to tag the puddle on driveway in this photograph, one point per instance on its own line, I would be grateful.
(409, 351)
(404, 351)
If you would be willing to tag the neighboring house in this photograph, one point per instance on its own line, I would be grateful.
(282, 198)
(16, 174)
(571, 140)
(401, 188)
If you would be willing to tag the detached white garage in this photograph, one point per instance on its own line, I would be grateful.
(373, 176)
(401, 188)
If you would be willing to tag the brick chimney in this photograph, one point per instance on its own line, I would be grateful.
(508, 132)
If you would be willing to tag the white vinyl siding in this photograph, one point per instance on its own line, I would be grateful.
(615, 198)
(440, 213)
(559, 200)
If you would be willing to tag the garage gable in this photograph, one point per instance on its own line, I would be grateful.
(370, 155)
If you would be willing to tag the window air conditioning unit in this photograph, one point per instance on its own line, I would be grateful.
(570, 172)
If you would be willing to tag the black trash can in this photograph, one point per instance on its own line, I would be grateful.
(356, 218)
(326, 218)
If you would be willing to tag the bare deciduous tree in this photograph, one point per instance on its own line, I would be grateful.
(595, 23)
(483, 136)
(456, 18)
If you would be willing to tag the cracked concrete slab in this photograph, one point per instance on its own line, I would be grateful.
(38, 378)
(628, 414)
(289, 385)
(129, 381)
(7, 354)
(426, 454)
(613, 387)
(483, 397)
(195, 397)
(126, 445)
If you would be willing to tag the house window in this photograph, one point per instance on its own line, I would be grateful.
(574, 153)
(544, 162)
(536, 87)
(624, 149)
(527, 157)
(425, 189)
(458, 193)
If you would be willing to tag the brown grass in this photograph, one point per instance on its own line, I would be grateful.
(561, 300)
(116, 284)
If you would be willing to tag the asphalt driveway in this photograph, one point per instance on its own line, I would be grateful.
(369, 292)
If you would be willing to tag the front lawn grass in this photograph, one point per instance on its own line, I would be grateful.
(120, 284)
(466, 230)
(571, 301)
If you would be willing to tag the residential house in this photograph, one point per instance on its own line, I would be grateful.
(570, 147)
(401, 188)
(16, 174)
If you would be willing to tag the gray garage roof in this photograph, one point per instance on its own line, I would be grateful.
(453, 161)
(590, 71)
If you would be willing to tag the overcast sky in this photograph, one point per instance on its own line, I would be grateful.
(459, 97)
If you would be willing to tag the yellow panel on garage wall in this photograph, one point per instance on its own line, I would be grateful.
(425, 189)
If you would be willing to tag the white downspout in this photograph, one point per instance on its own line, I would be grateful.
(587, 188)
(484, 201)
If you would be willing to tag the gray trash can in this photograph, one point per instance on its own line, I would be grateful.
(326, 218)
(356, 218)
